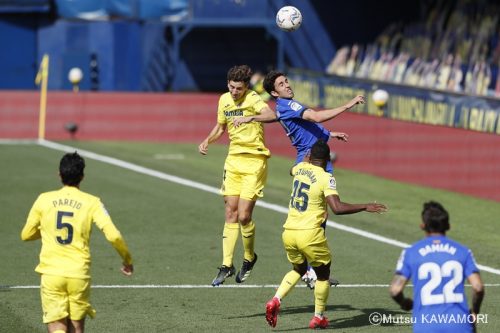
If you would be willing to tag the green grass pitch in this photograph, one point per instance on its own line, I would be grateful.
(174, 234)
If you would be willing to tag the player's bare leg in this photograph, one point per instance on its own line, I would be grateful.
(321, 292)
(245, 210)
(229, 238)
(76, 326)
(58, 326)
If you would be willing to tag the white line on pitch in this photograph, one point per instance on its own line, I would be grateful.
(227, 286)
(203, 187)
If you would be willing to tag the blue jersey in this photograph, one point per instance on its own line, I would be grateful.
(438, 268)
(302, 133)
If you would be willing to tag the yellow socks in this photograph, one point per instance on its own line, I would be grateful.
(321, 292)
(229, 238)
(289, 281)
(248, 237)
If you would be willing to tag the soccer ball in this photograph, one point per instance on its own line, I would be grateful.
(288, 18)
(380, 97)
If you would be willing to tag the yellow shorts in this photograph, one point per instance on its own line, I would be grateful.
(65, 297)
(309, 244)
(245, 176)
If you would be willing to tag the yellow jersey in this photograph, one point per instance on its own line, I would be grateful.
(63, 220)
(248, 138)
(311, 185)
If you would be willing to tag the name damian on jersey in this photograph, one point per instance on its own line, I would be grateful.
(437, 248)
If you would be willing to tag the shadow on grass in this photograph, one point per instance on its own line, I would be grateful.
(361, 319)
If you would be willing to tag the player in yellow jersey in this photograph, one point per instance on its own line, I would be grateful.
(63, 220)
(245, 169)
(304, 237)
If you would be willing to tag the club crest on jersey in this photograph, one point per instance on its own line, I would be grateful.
(295, 106)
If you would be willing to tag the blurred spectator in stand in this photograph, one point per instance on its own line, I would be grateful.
(367, 63)
(353, 61)
(386, 67)
(400, 67)
(377, 70)
(456, 75)
(483, 78)
(444, 72)
(338, 65)
(450, 32)
(412, 76)
(429, 74)
(497, 86)
(257, 85)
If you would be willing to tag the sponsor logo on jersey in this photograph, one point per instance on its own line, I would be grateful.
(234, 113)
(295, 106)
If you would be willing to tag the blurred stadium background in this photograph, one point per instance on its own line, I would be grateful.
(438, 60)
(153, 71)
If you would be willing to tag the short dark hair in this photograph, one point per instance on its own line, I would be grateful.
(435, 217)
(270, 79)
(241, 73)
(71, 169)
(320, 151)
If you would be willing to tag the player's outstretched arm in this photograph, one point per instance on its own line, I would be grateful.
(267, 115)
(214, 135)
(396, 291)
(342, 208)
(324, 115)
(339, 136)
(114, 236)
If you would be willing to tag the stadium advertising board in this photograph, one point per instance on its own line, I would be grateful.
(405, 103)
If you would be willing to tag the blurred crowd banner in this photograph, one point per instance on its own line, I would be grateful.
(405, 103)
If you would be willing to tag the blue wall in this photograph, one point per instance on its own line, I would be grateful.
(116, 45)
(17, 57)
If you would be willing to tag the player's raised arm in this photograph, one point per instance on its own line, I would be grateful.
(341, 208)
(324, 115)
(214, 135)
(267, 115)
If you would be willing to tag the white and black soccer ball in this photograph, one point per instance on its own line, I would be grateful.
(288, 18)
